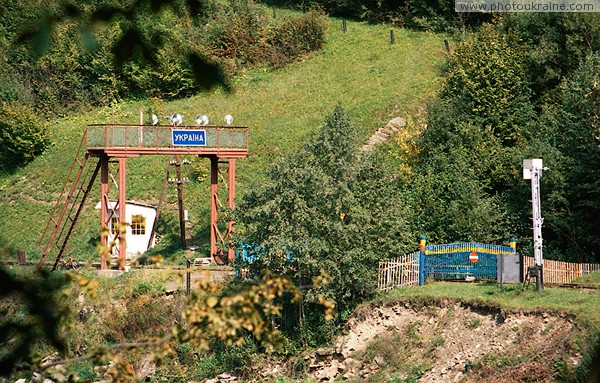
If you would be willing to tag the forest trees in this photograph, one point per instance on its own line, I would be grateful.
(477, 132)
(524, 87)
(575, 222)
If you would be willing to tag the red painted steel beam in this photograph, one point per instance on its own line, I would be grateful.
(122, 213)
(104, 201)
(231, 203)
(214, 190)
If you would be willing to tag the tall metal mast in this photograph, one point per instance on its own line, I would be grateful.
(532, 169)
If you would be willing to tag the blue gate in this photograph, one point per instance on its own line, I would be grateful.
(462, 260)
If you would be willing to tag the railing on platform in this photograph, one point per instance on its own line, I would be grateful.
(137, 136)
(399, 271)
(557, 272)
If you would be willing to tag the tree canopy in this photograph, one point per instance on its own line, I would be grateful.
(518, 88)
(327, 208)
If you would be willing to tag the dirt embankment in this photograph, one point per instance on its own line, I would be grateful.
(452, 342)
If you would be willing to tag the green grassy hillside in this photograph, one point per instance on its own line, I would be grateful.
(373, 79)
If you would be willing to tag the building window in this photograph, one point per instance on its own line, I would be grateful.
(114, 223)
(138, 225)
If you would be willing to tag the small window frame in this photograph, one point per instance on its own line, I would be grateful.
(138, 224)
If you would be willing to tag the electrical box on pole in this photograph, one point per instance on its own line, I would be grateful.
(532, 170)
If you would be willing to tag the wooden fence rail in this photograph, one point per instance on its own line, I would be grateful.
(399, 271)
(556, 272)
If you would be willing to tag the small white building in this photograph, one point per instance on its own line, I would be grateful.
(141, 219)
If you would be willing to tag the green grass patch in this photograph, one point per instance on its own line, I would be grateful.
(372, 79)
(581, 303)
(589, 279)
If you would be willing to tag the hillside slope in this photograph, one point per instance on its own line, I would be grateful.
(373, 79)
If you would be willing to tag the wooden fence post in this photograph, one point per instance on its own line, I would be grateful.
(21, 257)
(447, 45)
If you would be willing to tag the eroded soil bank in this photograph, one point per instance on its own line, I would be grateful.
(452, 342)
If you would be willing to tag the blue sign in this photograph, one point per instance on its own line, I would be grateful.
(188, 137)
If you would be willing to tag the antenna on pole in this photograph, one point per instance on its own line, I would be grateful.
(532, 170)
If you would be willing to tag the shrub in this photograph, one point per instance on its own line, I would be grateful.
(239, 34)
(152, 289)
(297, 37)
(84, 370)
(22, 135)
(142, 316)
(246, 38)
(236, 358)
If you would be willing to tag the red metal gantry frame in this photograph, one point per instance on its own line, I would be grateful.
(125, 141)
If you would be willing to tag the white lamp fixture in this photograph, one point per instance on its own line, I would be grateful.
(154, 119)
(199, 119)
(176, 119)
(228, 120)
(204, 119)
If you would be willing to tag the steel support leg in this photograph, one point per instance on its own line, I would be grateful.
(214, 201)
(122, 213)
(231, 204)
(220, 244)
(180, 202)
(104, 204)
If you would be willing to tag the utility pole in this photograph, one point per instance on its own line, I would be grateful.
(532, 169)
(180, 201)
(179, 182)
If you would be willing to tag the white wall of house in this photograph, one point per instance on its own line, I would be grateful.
(141, 219)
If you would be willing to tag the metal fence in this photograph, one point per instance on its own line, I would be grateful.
(449, 261)
(400, 271)
(557, 272)
(452, 261)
